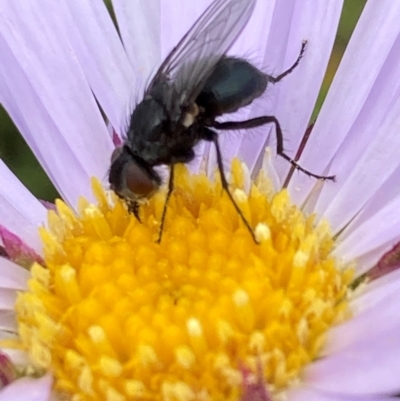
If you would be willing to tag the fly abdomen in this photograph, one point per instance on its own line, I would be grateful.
(233, 84)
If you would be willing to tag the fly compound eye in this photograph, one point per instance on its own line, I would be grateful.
(129, 178)
(137, 180)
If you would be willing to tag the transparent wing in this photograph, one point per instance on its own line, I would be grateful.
(191, 62)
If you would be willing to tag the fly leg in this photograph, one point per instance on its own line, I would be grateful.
(212, 136)
(257, 122)
(164, 213)
(274, 80)
(133, 207)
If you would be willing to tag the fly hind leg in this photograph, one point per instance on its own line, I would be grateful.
(274, 80)
(257, 122)
(169, 193)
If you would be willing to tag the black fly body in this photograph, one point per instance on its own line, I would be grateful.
(195, 85)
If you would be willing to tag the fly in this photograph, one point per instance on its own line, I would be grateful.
(194, 85)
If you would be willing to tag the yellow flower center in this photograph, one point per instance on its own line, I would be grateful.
(116, 316)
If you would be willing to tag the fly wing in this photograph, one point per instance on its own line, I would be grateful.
(193, 60)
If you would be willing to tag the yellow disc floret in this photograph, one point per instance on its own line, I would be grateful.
(116, 316)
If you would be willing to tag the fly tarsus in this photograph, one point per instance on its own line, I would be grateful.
(169, 193)
(274, 80)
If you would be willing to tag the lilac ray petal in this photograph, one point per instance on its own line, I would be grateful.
(12, 276)
(64, 184)
(102, 57)
(44, 90)
(7, 299)
(27, 389)
(20, 211)
(307, 393)
(364, 178)
(370, 366)
(140, 29)
(7, 321)
(293, 99)
(376, 291)
(383, 195)
(385, 317)
(366, 54)
(379, 230)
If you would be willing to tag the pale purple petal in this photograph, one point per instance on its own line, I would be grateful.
(140, 20)
(20, 211)
(371, 366)
(382, 196)
(367, 174)
(102, 57)
(12, 276)
(381, 229)
(307, 393)
(7, 299)
(376, 291)
(383, 313)
(7, 321)
(44, 90)
(356, 80)
(27, 389)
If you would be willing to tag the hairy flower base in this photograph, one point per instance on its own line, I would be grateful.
(116, 316)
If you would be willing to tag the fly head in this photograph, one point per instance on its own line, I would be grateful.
(131, 178)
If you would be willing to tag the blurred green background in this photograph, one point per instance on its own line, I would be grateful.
(17, 155)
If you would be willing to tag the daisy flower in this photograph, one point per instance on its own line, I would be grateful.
(94, 309)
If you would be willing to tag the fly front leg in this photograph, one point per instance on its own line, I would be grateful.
(133, 207)
(169, 193)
